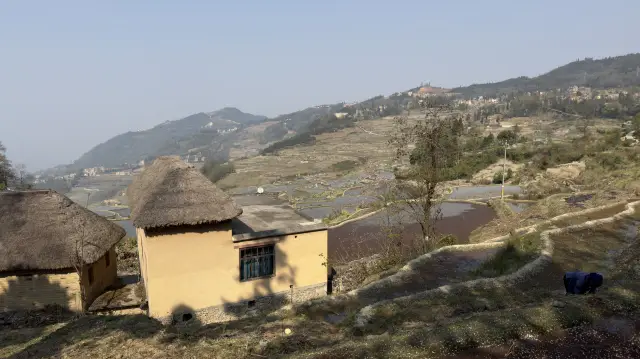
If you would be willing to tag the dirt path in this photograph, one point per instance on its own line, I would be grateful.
(442, 269)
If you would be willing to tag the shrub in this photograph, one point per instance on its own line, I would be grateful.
(216, 170)
(518, 252)
(610, 161)
(497, 177)
(447, 240)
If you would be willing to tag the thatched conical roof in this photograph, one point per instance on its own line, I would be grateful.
(42, 230)
(170, 192)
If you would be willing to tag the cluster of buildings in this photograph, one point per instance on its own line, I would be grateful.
(201, 255)
(194, 158)
(43, 179)
(479, 101)
(428, 91)
(221, 131)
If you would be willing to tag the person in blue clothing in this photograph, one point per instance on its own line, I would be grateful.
(581, 282)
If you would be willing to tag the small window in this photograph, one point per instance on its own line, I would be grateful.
(257, 262)
(107, 259)
(90, 275)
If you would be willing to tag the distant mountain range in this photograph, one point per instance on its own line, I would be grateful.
(619, 71)
(214, 134)
(169, 138)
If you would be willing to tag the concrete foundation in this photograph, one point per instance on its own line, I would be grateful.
(239, 310)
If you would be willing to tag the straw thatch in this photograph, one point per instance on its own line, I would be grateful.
(172, 193)
(42, 230)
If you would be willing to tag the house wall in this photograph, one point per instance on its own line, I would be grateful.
(29, 292)
(198, 270)
(103, 276)
(142, 257)
(34, 291)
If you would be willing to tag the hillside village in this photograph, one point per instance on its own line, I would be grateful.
(431, 222)
(483, 109)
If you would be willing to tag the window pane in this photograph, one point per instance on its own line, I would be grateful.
(257, 262)
(270, 264)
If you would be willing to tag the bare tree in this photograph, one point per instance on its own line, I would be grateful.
(20, 171)
(79, 264)
(432, 145)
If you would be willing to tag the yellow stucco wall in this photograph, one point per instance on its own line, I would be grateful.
(140, 235)
(35, 291)
(103, 277)
(198, 269)
(28, 292)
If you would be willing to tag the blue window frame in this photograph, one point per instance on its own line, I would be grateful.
(257, 262)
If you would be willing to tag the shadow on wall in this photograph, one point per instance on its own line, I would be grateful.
(17, 294)
(270, 292)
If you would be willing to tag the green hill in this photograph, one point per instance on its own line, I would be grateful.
(201, 130)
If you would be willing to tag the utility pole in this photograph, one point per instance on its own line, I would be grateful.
(504, 164)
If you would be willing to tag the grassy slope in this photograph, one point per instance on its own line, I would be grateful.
(464, 319)
(446, 324)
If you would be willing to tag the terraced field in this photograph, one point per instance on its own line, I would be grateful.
(505, 305)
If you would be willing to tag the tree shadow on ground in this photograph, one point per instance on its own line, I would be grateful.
(87, 329)
(28, 304)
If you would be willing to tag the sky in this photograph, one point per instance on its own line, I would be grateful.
(75, 73)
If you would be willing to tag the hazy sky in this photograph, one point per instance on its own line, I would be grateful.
(75, 73)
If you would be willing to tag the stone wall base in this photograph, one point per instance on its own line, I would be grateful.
(253, 307)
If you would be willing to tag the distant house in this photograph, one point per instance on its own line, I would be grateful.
(197, 258)
(46, 240)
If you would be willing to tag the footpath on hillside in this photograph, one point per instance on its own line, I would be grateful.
(441, 269)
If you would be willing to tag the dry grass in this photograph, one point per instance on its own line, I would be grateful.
(443, 325)
(474, 317)
(455, 321)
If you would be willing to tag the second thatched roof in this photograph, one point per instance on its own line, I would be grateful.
(44, 230)
(170, 192)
